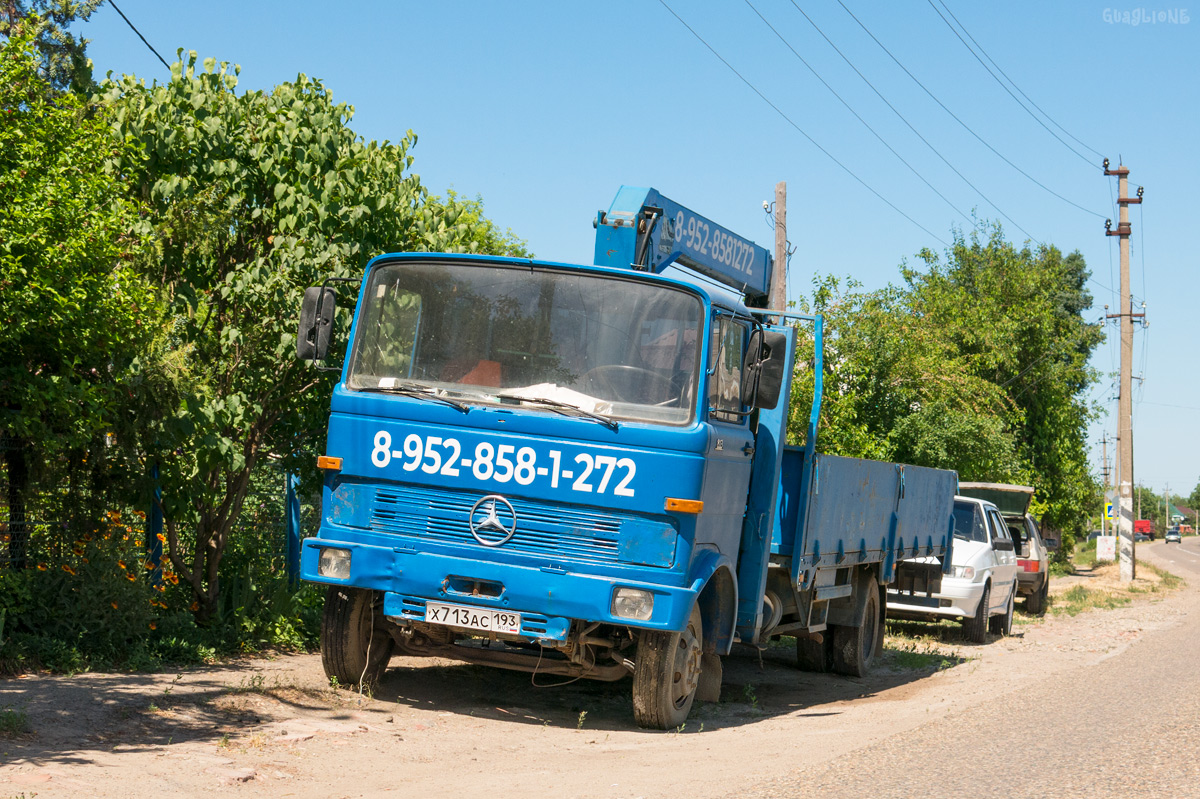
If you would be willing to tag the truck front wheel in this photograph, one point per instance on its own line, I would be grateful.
(355, 649)
(666, 674)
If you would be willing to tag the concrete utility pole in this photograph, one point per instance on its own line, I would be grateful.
(778, 296)
(1126, 552)
(1104, 474)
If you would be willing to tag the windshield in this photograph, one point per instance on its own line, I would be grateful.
(543, 338)
(968, 524)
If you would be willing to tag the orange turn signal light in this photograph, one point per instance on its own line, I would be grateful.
(329, 462)
(685, 505)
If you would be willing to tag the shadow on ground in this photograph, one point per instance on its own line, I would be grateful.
(75, 719)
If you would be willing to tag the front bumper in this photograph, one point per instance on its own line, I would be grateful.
(548, 598)
(958, 599)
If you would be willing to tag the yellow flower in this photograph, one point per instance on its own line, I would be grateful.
(42, 567)
(131, 578)
(67, 569)
(161, 538)
(195, 606)
(121, 563)
(114, 605)
(153, 626)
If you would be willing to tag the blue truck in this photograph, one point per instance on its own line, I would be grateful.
(583, 470)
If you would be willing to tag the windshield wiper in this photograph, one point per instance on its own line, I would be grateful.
(563, 408)
(417, 391)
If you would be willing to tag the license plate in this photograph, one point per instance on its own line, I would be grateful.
(499, 621)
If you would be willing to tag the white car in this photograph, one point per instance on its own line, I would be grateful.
(981, 586)
(1033, 574)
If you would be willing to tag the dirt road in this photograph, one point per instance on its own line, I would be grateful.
(274, 728)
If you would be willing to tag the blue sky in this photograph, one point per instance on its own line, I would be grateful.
(544, 108)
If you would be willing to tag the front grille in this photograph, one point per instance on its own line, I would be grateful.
(553, 531)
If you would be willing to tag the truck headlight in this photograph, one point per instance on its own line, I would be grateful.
(334, 563)
(965, 572)
(632, 603)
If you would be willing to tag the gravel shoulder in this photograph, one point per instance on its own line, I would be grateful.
(273, 727)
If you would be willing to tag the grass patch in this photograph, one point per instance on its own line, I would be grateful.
(14, 723)
(1079, 598)
(1166, 580)
(922, 646)
(909, 657)
(1085, 556)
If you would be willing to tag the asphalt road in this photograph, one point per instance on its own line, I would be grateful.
(1126, 726)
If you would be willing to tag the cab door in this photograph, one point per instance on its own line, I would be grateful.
(730, 442)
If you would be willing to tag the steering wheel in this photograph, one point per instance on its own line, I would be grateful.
(631, 384)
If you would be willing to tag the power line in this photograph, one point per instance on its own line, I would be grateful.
(1168, 405)
(909, 124)
(1018, 88)
(953, 30)
(965, 126)
(832, 91)
(139, 34)
(798, 129)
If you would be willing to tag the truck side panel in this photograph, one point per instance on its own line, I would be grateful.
(861, 511)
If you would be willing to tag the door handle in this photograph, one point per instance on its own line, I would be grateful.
(748, 450)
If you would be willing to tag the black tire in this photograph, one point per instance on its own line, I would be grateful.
(975, 628)
(815, 656)
(855, 648)
(666, 674)
(355, 646)
(1035, 603)
(1002, 625)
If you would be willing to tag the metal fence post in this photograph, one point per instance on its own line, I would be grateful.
(293, 532)
(153, 544)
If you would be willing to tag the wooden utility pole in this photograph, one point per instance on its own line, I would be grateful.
(778, 296)
(1126, 551)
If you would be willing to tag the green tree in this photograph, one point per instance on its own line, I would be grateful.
(1193, 500)
(249, 198)
(1016, 317)
(62, 57)
(895, 389)
(978, 363)
(77, 319)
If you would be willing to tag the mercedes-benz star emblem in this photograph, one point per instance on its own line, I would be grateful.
(493, 520)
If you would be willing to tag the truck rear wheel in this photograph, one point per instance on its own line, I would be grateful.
(666, 674)
(354, 649)
(855, 648)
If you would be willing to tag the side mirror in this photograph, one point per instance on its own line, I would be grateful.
(316, 324)
(1003, 545)
(762, 369)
